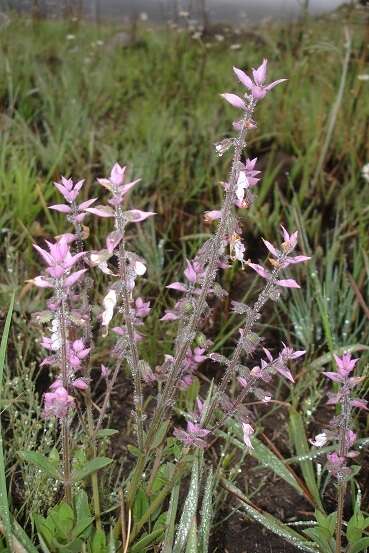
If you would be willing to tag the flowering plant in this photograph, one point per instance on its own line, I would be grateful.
(71, 347)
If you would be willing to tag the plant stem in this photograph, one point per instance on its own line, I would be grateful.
(340, 504)
(169, 390)
(236, 356)
(134, 356)
(342, 484)
(93, 455)
(65, 422)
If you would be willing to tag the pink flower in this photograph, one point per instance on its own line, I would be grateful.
(104, 371)
(210, 216)
(256, 86)
(286, 283)
(246, 179)
(80, 384)
(58, 403)
(194, 271)
(345, 364)
(115, 184)
(77, 213)
(248, 431)
(69, 189)
(142, 309)
(193, 436)
(58, 258)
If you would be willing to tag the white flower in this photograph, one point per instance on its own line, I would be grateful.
(242, 185)
(319, 440)
(365, 172)
(247, 433)
(109, 302)
(55, 335)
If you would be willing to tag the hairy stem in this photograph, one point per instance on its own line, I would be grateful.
(343, 449)
(65, 423)
(134, 356)
(170, 388)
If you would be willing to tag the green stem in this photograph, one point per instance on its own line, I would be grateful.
(93, 455)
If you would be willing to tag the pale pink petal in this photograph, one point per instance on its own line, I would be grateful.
(63, 208)
(101, 211)
(259, 74)
(177, 286)
(260, 270)
(288, 283)
(234, 100)
(274, 83)
(73, 278)
(245, 79)
(270, 247)
(136, 215)
(86, 204)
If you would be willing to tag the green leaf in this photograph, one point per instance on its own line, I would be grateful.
(42, 462)
(146, 541)
(4, 503)
(192, 538)
(301, 445)
(270, 522)
(98, 543)
(63, 517)
(359, 546)
(268, 459)
(171, 519)
(92, 466)
(160, 435)
(189, 510)
(206, 514)
(106, 433)
(322, 537)
(354, 529)
(141, 504)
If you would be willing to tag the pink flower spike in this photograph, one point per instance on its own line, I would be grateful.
(58, 403)
(345, 364)
(234, 100)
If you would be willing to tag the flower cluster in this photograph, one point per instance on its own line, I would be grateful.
(340, 426)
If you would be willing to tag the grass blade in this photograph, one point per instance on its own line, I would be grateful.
(4, 504)
(301, 445)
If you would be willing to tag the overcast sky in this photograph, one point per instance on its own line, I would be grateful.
(219, 10)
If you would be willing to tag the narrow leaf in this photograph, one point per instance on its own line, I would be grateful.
(301, 445)
(4, 504)
(189, 510)
(91, 467)
(40, 461)
(270, 522)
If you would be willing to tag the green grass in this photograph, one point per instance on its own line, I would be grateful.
(73, 107)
